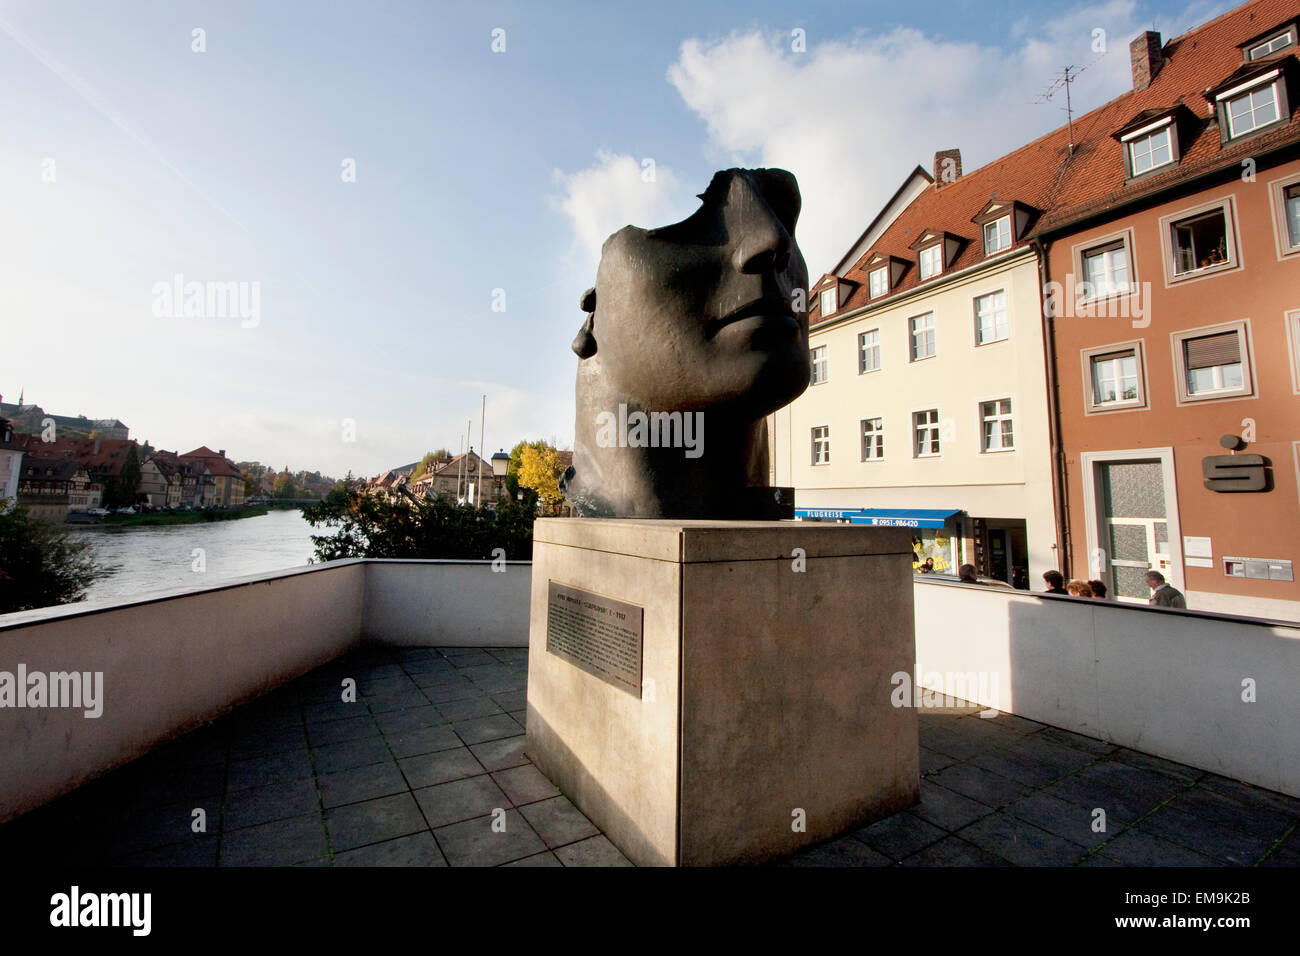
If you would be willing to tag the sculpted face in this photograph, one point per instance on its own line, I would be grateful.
(703, 314)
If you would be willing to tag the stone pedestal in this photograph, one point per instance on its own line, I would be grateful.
(764, 720)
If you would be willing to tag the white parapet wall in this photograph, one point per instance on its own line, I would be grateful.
(1168, 683)
(447, 603)
(1217, 692)
(172, 660)
(165, 663)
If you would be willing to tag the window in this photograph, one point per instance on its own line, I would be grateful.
(819, 365)
(990, 318)
(821, 445)
(1284, 194)
(931, 261)
(922, 329)
(878, 282)
(1114, 378)
(1252, 110)
(996, 430)
(1270, 46)
(997, 235)
(1291, 205)
(1200, 242)
(828, 300)
(1105, 269)
(1151, 151)
(873, 439)
(1212, 363)
(869, 351)
(925, 426)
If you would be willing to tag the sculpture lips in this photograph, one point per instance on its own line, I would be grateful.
(776, 310)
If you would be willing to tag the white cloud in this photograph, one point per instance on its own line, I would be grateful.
(851, 116)
(619, 190)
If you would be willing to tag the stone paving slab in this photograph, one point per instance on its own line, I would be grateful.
(427, 766)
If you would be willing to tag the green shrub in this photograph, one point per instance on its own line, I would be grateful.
(370, 526)
(41, 564)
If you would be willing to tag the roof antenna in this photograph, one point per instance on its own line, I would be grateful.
(1068, 76)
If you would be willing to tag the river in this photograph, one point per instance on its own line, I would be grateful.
(194, 555)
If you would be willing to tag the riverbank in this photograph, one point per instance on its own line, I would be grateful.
(164, 518)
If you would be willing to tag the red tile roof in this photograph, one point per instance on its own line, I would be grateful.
(1069, 187)
(107, 460)
(204, 457)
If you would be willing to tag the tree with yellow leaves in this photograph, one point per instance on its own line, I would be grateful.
(541, 469)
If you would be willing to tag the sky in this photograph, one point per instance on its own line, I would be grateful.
(378, 213)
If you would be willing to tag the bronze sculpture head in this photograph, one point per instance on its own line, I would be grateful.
(695, 332)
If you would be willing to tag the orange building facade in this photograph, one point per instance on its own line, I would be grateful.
(1171, 263)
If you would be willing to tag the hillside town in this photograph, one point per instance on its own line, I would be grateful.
(466, 477)
(60, 467)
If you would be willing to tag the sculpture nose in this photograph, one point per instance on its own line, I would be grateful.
(765, 244)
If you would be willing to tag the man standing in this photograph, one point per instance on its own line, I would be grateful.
(1054, 581)
(1163, 594)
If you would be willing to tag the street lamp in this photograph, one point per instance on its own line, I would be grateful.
(500, 466)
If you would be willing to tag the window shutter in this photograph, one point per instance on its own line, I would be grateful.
(1211, 350)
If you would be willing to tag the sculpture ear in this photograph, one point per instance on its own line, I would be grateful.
(584, 344)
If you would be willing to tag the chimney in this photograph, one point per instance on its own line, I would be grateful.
(947, 166)
(1145, 58)
(96, 446)
(222, 453)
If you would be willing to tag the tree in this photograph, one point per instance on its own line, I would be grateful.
(120, 490)
(513, 487)
(283, 486)
(541, 470)
(425, 463)
(41, 564)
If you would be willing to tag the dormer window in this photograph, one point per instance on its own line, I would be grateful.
(997, 235)
(936, 250)
(828, 300)
(1252, 109)
(1250, 100)
(1151, 140)
(1151, 150)
(931, 261)
(831, 292)
(878, 282)
(1270, 45)
(884, 272)
(1003, 223)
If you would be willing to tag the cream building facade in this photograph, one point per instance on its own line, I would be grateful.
(928, 407)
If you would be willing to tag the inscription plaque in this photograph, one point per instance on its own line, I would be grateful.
(597, 634)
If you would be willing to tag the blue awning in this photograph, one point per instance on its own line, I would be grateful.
(882, 517)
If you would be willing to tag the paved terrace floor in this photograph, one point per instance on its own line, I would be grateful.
(411, 773)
